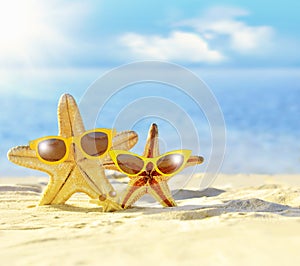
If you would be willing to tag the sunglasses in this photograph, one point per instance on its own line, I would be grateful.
(167, 164)
(55, 149)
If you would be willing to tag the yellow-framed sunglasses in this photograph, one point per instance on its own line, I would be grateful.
(93, 144)
(167, 164)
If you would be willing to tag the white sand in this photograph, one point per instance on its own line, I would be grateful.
(242, 220)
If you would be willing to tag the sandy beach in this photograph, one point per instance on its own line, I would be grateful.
(240, 220)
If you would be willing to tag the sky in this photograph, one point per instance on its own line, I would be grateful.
(46, 44)
(71, 34)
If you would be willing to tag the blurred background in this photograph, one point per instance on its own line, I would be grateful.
(247, 52)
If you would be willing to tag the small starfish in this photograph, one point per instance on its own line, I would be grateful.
(150, 182)
(76, 173)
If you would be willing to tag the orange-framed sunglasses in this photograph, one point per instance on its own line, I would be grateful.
(93, 144)
(167, 164)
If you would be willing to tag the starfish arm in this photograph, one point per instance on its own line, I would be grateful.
(24, 156)
(134, 191)
(63, 194)
(57, 180)
(194, 160)
(108, 205)
(161, 192)
(93, 173)
(69, 119)
(124, 140)
(152, 145)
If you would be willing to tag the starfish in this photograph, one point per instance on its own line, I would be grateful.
(76, 173)
(150, 181)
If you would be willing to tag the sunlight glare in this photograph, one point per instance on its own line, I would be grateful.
(18, 22)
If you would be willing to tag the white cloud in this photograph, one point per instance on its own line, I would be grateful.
(224, 12)
(178, 46)
(223, 23)
(214, 37)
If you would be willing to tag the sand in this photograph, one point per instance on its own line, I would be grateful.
(240, 220)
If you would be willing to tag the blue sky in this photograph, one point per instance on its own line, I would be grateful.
(79, 34)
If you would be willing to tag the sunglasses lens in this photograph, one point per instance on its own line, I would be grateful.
(170, 163)
(130, 164)
(95, 143)
(52, 150)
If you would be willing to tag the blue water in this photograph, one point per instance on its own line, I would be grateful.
(261, 109)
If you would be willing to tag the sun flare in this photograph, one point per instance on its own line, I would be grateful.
(19, 22)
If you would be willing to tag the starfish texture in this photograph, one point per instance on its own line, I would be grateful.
(151, 182)
(76, 173)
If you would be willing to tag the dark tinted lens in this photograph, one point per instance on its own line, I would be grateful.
(52, 150)
(130, 164)
(170, 163)
(95, 143)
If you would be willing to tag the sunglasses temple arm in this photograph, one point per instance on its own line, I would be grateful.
(109, 165)
(113, 132)
(31, 144)
(194, 160)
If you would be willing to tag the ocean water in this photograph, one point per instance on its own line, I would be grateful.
(261, 110)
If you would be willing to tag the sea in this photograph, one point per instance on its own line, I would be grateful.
(243, 120)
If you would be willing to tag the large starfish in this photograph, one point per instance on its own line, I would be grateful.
(76, 173)
(151, 182)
